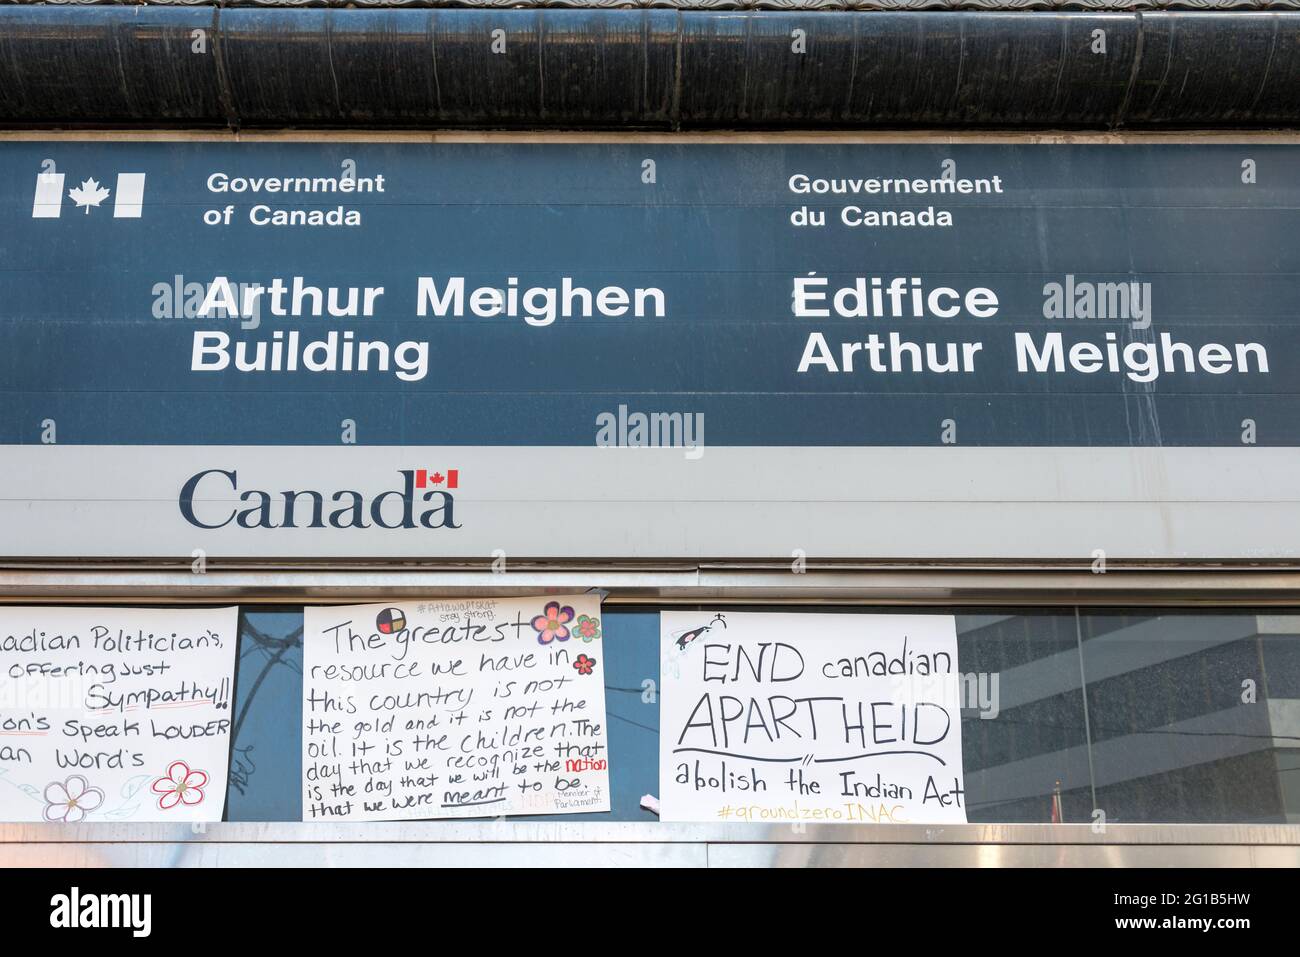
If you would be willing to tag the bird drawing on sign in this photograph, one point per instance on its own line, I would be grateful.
(684, 638)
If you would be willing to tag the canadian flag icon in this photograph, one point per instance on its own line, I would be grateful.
(128, 197)
(425, 478)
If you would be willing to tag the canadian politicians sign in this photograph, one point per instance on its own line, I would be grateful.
(115, 714)
(343, 349)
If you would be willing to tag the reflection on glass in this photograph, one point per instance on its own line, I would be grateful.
(1194, 716)
(1025, 745)
(1122, 716)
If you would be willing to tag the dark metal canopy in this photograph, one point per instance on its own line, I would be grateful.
(665, 69)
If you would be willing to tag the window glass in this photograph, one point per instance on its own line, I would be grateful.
(1025, 741)
(1193, 715)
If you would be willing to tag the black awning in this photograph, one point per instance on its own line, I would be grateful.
(657, 69)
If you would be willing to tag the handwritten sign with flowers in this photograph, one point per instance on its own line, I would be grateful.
(115, 714)
(434, 709)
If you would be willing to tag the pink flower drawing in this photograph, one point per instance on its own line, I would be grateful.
(551, 624)
(180, 785)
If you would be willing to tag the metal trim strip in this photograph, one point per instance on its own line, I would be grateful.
(1200, 835)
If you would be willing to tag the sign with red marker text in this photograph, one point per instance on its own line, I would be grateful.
(455, 708)
(813, 718)
(115, 714)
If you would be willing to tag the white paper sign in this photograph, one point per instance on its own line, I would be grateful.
(115, 714)
(459, 708)
(812, 718)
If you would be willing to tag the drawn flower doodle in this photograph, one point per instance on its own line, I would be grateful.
(180, 785)
(552, 623)
(587, 628)
(71, 800)
(584, 665)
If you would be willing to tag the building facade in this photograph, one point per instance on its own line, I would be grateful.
(981, 313)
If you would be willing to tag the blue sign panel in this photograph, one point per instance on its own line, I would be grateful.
(191, 293)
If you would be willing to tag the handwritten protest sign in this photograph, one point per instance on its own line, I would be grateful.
(810, 718)
(115, 714)
(462, 708)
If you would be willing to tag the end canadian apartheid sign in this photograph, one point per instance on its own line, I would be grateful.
(810, 718)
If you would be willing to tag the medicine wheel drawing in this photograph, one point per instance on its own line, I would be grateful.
(390, 620)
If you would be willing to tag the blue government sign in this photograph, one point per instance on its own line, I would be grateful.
(819, 295)
(413, 310)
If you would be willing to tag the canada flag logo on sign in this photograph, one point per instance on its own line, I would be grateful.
(426, 478)
(128, 195)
